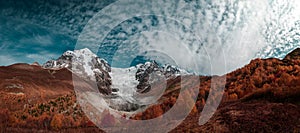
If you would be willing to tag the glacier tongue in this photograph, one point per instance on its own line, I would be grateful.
(124, 80)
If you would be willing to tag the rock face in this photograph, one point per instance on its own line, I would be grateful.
(148, 72)
(87, 65)
(171, 71)
(143, 75)
(295, 54)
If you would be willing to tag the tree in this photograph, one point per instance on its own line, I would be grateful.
(56, 122)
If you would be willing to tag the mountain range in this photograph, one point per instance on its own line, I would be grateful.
(262, 96)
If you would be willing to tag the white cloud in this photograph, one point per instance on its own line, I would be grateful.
(44, 40)
(42, 57)
(7, 60)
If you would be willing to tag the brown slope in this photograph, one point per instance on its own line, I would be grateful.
(263, 96)
(34, 99)
(33, 83)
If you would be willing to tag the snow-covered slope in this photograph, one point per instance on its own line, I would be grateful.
(87, 65)
(84, 60)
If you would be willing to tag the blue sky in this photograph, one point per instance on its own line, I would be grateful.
(25, 42)
(40, 30)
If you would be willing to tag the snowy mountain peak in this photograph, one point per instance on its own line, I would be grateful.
(85, 64)
(69, 53)
(86, 52)
(78, 53)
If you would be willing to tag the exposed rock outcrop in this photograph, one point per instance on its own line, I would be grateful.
(151, 71)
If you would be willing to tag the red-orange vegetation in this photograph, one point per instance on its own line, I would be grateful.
(57, 122)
